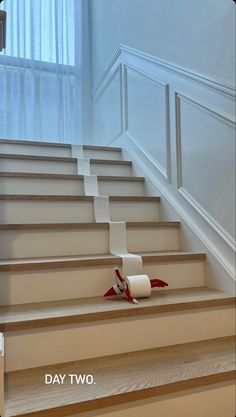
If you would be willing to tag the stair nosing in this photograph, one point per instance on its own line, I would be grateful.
(33, 142)
(91, 225)
(74, 177)
(117, 399)
(56, 197)
(64, 159)
(102, 260)
(114, 313)
(58, 145)
(141, 388)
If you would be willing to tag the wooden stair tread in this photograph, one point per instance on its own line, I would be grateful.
(53, 313)
(92, 225)
(63, 159)
(48, 197)
(120, 378)
(94, 260)
(31, 175)
(58, 145)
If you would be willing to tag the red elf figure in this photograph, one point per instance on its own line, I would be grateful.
(121, 287)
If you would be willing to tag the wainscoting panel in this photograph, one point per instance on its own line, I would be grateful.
(147, 116)
(179, 128)
(206, 160)
(107, 109)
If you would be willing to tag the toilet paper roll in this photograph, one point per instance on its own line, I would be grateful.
(139, 285)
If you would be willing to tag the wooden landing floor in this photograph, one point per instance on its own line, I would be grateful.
(120, 378)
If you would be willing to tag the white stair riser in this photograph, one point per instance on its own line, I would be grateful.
(56, 151)
(99, 154)
(68, 242)
(215, 400)
(32, 348)
(41, 186)
(74, 211)
(58, 284)
(60, 167)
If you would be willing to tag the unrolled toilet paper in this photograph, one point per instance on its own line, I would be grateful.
(77, 151)
(139, 285)
(83, 166)
(91, 185)
(101, 208)
(131, 263)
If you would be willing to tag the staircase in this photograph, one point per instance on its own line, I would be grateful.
(55, 266)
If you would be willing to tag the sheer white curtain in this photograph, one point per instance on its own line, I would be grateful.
(40, 71)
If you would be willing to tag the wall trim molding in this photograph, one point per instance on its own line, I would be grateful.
(165, 172)
(151, 160)
(143, 162)
(215, 84)
(210, 93)
(117, 70)
(224, 117)
(180, 186)
(208, 218)
(106, 71)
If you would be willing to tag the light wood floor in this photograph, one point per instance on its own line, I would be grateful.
(93, 260)
(120, 378)
(43, 314)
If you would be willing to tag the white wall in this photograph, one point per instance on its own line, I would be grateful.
(177, 121)
(198, 34)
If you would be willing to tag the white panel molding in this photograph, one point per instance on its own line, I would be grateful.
(166, 172)
(124, 98)
(118, 71)
(219, 86)
(224, 118)
(146, 154)
(209, 219)
(214, 96)
(114, 61)
(104, 87)
(189, 216)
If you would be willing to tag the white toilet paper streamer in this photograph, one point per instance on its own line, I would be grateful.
(83, 166)
(91, 185)
(101, 208)
(139, 285)
(77, 151)
(131, 263)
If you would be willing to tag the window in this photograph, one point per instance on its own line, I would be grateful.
(40, 71)
(41, 30)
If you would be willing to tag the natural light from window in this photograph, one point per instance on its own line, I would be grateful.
(42, 30)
